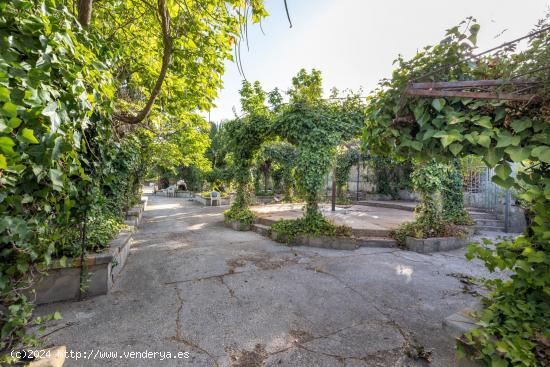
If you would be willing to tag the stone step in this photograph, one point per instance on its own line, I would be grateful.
(261, 229)
(265, 221)
(490, 228)
(482, 215)
(489, 222)
(387, 204)
(376, 242)
(369, 232)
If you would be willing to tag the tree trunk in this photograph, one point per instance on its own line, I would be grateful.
(85, 12)
(167, 43)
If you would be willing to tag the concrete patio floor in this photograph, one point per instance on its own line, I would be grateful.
(239, 299)
(358, 217)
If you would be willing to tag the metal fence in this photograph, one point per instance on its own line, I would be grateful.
(479, 191)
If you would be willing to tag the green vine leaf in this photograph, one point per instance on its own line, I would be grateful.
(521, 124)
(518, 154)
(27, 135)
(56, 176)
(455, 148)
(10, 109)
(3, 162)
(484, 121)
(505, 139)
(6, 145)
(503, 170)
(438, 104)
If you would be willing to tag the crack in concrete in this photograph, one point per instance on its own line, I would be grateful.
(301, 337)
(230, 272)
(180, 338)
(379, 356)
(262, 262)
(245, 358)
(409, 345)
(229, 289)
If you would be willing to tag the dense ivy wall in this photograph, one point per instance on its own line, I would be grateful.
(60, 164)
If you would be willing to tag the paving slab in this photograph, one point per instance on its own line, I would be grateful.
(236, 299)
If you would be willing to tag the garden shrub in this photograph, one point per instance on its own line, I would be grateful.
(244, 216)
(421, 230)
(318, 225)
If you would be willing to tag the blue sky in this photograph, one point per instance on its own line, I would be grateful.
(353, 42)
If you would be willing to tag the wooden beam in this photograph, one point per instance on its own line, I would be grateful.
(476, 95)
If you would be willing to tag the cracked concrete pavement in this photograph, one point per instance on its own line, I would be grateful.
(239, 299)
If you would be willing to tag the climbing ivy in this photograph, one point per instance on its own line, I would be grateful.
(345, 159)
(243, 138)
(516, 320)
(316, 127)
(277, 160)
(453, 195)
(65, 179)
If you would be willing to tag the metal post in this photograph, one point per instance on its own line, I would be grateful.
(357, 191)
(334, 190)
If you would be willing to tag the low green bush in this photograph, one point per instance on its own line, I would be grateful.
(244, 216)
(101, 227)
(312, 225)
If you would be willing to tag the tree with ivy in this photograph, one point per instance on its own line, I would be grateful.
(243, 138)
(516, 318)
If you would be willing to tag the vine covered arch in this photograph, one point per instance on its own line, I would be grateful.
(314, 126)
(505, 132)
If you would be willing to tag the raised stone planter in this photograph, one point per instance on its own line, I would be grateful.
(336, 243)
(62, 283)
(238, 226)
(435, 244)
(133, 215)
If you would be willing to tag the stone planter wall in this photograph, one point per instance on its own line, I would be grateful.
(435, 244)
(408, 195)
(238, 226)
(264, 199)
(62, 283)
(337, 243)
(179, 194)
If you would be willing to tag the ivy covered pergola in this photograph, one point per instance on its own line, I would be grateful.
(459, 108)
(315, 127)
